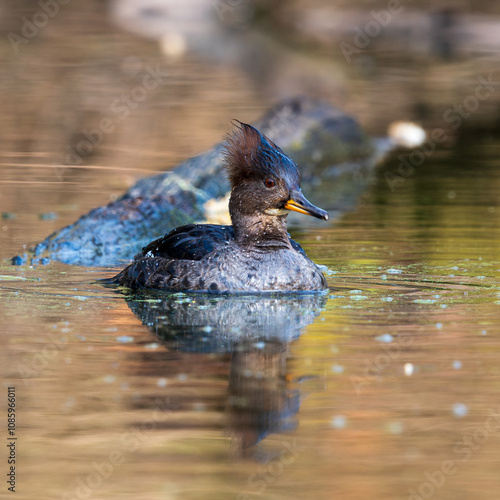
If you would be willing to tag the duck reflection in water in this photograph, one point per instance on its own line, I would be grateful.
(251, 334)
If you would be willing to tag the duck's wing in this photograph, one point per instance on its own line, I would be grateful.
(191, 242)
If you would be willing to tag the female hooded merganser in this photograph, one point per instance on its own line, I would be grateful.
(255, 254)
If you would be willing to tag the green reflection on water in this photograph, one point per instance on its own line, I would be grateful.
(400, 365)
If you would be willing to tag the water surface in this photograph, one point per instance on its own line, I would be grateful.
(386, 388)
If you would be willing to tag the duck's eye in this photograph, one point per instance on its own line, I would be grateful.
(270, 183)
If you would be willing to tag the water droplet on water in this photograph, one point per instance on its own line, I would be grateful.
(409, 369)
(460, 410)
(386, 338)
(338, 422)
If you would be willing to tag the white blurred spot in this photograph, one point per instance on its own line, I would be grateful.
(395, 428)
(125, 339)
(386, 338)
(338, 422)
(407, 134)
(394, 271)
(409, 369)
(460, 410)
(173, 44)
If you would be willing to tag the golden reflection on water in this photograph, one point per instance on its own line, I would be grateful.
(391, 391)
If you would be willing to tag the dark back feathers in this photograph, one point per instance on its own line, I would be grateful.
(191, 242)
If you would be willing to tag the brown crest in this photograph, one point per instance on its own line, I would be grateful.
(251, 154)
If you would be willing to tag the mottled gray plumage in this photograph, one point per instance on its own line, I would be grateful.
(255, 254)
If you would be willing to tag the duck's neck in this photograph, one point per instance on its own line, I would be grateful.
(260, 230)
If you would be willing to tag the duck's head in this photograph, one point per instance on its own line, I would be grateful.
(265, 183)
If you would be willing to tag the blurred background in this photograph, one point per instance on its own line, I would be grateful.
(99, 93)
(67, 66)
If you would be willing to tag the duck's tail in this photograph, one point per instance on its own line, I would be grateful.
(114, 280)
